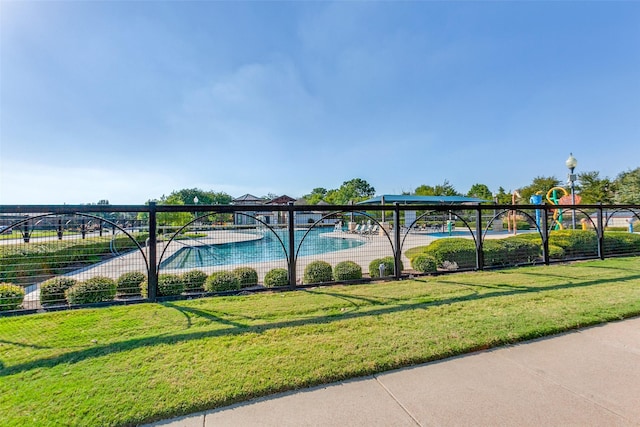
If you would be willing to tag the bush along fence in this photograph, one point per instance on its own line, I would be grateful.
(56, 257)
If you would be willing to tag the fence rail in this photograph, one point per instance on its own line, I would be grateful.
(55, 257)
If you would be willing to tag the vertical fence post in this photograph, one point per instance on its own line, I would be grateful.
(544, 234)
(398, 251)
(25, 232)
(600, 233)
(292, 246)
(152, 284)
(479, 250)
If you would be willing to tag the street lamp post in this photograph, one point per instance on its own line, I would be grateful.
(195, 202)
(571, 165)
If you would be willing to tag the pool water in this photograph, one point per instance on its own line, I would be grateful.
(267, 248)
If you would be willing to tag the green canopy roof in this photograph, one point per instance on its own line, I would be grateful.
(407, 199)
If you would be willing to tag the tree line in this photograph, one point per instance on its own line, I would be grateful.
(593, 189)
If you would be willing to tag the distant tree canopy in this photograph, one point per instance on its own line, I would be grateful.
(503, 198)
(175, 219)
(540, 184)
(595, 190)
(317, 194)
(628, 187)
(480, 191)
(355, 190)
(444, 189)
(625, 189)
(188, 197)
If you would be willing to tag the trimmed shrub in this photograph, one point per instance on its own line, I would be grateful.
(317, 272)
(424, 263)
(520, 225)
(453, 249)
(194, 280)
(11, 296)
(53, 290)
(576, 243)
(493, 253)
(170, 284)
(247, 276)
(276, 277)
(130, 284)
(95, 289)
(510, 251)
(347, 270)
(621, 243)
(374, 266)
(556, 252)
(222, 281)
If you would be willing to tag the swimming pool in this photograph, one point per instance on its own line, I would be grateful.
(267, 248)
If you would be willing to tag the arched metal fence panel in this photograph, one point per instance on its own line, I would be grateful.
(47, 254)
(352, 243)
(62, 256)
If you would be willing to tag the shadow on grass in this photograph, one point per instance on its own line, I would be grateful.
(20, 344)
(238, 329)
(187, 312)
(352, 298)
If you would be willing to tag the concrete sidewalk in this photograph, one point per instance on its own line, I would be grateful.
(589, 377)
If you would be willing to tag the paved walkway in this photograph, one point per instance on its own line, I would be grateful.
(589, 377)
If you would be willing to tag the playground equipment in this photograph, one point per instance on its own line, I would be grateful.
(536, 199)
(512, 221)
(552, 197)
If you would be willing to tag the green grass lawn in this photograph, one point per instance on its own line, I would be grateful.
(131, 364)
(18, 235)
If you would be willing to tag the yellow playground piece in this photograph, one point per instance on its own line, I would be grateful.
(552, 197)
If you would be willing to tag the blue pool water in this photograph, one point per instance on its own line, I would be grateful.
(267, 248)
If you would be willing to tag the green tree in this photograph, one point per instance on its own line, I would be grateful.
(594, 189)
(480, 191)
(316, 195)
(540, 184)
(354, 190)
(503, 197)
(444, 189)
(188, 197)
(628, 187)
(425, 190)
(175, 219)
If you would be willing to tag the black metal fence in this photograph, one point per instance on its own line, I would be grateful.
(56, 257)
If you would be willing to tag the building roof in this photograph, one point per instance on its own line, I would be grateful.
(407, 199)
(281, 200)
(248, 198)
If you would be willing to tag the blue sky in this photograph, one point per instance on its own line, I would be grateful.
(127, 101)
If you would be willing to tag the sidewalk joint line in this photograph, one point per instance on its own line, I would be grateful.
(404, 408)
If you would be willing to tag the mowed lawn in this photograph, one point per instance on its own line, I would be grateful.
(132, 364)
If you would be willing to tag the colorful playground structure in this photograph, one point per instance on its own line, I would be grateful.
(552, 197)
